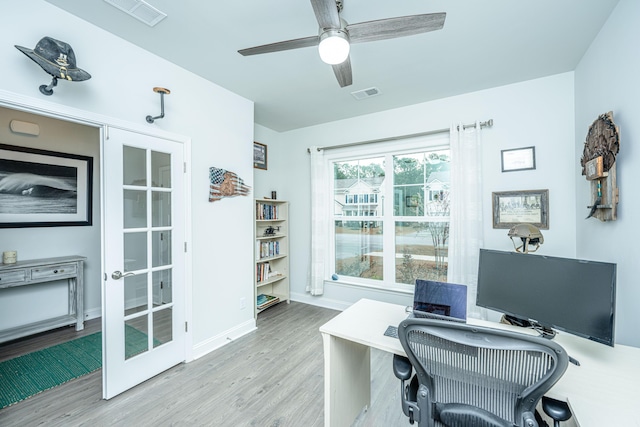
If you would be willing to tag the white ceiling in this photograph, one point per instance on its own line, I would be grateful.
(483, 44)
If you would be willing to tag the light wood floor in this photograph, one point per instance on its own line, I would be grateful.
(272, 377)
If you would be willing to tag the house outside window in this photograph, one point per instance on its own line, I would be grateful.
(391, 215)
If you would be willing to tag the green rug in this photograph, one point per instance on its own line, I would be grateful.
(32, 373)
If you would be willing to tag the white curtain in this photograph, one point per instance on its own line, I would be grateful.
(466, 229)
(319, 222)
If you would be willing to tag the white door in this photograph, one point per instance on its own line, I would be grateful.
(143, 309)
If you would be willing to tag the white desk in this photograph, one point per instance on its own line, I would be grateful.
(603, 391)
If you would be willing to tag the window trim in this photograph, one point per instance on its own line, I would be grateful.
(388, 149)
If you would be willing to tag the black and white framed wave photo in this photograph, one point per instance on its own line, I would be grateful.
(41, 188)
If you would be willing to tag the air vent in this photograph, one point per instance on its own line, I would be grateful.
(140, 10)
(365, 93)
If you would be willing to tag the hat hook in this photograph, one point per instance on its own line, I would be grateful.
(48, 90)
(162, 91)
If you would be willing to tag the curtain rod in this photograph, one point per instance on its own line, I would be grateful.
(488, 123)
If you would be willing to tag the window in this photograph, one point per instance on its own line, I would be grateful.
(358, 238)
(391, 212)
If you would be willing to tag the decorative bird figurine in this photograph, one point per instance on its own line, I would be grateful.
(597, 202)
(594, 208)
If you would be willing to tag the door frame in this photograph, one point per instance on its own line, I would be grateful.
(40, 107)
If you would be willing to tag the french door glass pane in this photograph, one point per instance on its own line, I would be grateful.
(161, 248)
(162, 326)
(135, 294)
(135, 166)
(421, 251)
(136, 338)
(161, 209)
(359, 248)
(135, 251)
(160, 169)
(162, 287)
(135, 209)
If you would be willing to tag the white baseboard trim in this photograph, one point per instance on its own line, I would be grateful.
(206, 346)
(92, 313)
(220, 340)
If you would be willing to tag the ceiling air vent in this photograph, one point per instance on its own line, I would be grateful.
(140, 10)
(365, 93)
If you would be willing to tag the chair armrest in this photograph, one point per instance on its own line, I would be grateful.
(402, 367)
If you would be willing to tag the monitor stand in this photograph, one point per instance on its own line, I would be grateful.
(545, 332)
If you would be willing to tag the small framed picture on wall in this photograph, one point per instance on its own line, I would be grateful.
(259, 156)
(519, 159)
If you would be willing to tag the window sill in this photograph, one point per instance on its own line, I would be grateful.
(393, 289)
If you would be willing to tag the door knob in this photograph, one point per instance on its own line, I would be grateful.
(118, 275)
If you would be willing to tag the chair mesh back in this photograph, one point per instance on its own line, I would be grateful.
(489, 378)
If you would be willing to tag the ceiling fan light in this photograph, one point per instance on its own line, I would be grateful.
(334, 47)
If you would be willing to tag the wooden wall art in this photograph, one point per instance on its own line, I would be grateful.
(599, 167)
(224, 183)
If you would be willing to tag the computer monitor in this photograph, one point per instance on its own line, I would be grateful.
(447, 301)
(571, 295)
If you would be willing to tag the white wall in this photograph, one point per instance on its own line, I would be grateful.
(27, 304)
(607, 80)
(219, 123)
(536, 113)
(264, 179)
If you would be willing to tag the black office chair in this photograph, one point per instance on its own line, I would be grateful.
(556, 409)
(473, 376)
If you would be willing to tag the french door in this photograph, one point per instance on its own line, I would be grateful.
(144, 259)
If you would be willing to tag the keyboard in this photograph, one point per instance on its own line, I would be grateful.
(392, 331)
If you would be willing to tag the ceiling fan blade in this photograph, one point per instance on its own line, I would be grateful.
(395, 27)
(326, 13)
(277, 47)
(343, 73)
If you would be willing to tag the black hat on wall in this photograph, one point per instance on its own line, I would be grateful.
(56, 58)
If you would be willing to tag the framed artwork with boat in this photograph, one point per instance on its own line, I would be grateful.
(40, 188)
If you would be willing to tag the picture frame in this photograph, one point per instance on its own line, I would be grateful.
(518, 207)
(40, 188)
(259, 156)
(518, 159)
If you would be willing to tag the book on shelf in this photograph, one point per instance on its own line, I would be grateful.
(264, 301)
(262, 272)
(265, 211)
(268, 249)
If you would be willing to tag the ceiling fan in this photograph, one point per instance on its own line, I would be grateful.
(335, 35)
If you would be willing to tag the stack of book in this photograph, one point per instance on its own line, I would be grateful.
(263, 301)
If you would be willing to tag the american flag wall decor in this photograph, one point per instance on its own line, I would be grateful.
(223, 183)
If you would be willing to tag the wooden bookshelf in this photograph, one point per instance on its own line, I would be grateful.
(271, 228)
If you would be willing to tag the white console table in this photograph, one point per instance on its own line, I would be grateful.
(31, 272)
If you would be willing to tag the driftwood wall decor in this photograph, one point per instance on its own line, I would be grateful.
(599, 167)
(224, 183)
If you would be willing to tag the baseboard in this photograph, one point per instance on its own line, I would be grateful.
(92, 313)
(206, 346)
(220, 340)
